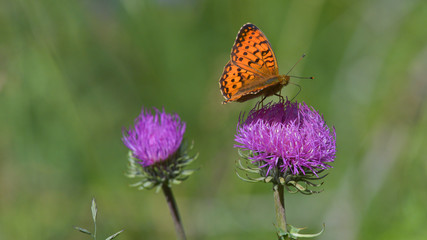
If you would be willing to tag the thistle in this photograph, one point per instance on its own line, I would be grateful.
(158, 155)
(289, 145)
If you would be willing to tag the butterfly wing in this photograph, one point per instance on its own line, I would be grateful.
(234, 81)
(252, 51)
(252, 68)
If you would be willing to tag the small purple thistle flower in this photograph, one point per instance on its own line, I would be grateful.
(155, 137)
(289, 137)
(158, 156)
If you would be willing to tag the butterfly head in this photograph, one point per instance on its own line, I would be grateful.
(284, 79)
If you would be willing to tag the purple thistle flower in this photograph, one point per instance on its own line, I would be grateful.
(155, 137)
(289, 137)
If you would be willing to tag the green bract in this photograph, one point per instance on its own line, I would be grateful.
(170, 171)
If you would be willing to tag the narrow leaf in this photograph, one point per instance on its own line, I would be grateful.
(244, 179)
(114, 235)
(158, 188)
(247, 169)
(147, 184)
(301, 235)
(83, 230)
(94, 210)
(176, 181)
(188, 172)
(136, 184)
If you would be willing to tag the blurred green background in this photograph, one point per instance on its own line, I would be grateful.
(73, 73)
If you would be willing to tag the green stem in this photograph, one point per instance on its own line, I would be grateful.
(279, 203)
(94, 232)
(167, 191)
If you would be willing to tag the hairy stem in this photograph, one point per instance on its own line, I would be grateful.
(279, 203)
(167, 191)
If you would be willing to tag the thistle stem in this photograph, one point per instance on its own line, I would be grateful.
(279, 203)
(167, 191)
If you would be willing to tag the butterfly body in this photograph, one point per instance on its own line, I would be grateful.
(254, 89)
(252, 70)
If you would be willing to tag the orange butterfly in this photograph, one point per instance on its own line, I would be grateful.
(252, 70)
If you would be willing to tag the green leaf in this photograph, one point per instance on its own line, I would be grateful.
(294, 232)
(300, 187)
(176, 181)
(85, 231)
(259, 179)
(158, 188)
(114, 235)
(187, 172)
(243, 154)
(136, 184)
(247, 169)
(245, 179)
(94, 210)
(148, 184)
(181, 178)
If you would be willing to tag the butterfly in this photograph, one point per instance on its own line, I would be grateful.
(252, 70)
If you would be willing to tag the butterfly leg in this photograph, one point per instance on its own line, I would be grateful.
(281, 98)
(262, 100)
(260, 104)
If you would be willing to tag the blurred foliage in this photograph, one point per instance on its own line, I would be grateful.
(73, 73)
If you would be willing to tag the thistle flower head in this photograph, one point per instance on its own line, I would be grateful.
(154, 137)
(157, 153)
(287, 137)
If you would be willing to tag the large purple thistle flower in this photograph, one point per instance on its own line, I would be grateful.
(154, 137)
(287, 136)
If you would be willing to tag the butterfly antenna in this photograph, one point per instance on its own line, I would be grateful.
(296, 63)
(301, 77)
(287, 74)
